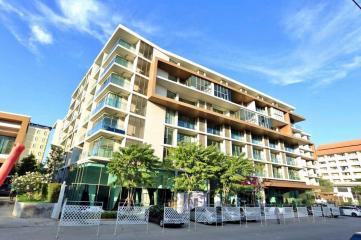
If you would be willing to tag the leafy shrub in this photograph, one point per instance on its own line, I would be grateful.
(29, 184)
(109, 214)
(53, 191)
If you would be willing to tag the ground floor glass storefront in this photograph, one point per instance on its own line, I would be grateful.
(91, 182)
(284, 196)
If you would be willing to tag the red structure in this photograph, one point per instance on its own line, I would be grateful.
(10, 162)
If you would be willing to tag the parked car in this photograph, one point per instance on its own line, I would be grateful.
(350, 211)
(156, 215)
(356, 236)
(206, 216)
(232, 216)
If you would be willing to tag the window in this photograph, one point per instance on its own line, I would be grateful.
(184, 138)
(6, 144)
(257, 154)
(143, 67)
(199, 83)
(139, 105)
(236, 134)
(274, 157)
(102, 147)
(277, 172)
(188, 101)
(146, 50)
(140, 85)
(171, 95)
(236, 150)
(222, 92)
(213, 142)
(136, 127)
(186, 122)
(257, 139)
(273, 143)
(342, 189)
(170, 116)
(168, 136)
(213, 128)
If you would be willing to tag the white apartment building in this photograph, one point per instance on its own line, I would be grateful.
(341, 164)
(137, 92)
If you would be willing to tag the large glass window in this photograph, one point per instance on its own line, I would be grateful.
(136, 127)
(139, 105)
(6, 144)
(146, 50)
(186, 122)
(236, 134)
(222, 92)
(211, 142)
(168, 135)
(236, 150)
(257, 139)
(102, 147)
(213, 128)
(199, 83)
(170, 116)
(185, 138)
(143, 67)
(140, 85)
(257, 154)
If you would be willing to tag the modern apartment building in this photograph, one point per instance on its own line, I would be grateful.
(341, 164)
(13, 128)
(137, 92)
(36, 140)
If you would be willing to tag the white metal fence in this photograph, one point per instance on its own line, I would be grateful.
(231, 214)
(128, 215)
(302, 213)
(80, 214)
(179, 215)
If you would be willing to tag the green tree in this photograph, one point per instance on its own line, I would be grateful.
(54, 162)
(134, 166)
(326, 185)
(356, 190)
(195, 164)
(232, 171)
(27, 164)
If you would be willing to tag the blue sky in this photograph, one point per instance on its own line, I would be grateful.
(305, 53)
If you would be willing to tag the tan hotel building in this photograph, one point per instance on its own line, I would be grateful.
(13, 128)
(137, 92)
(341, 164)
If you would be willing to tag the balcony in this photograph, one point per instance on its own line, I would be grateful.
(186, 122)
(100, 153)
(291, 161)
(114, 105)
(118, 61)
(253, 117)
(294, 176)
(213, 130)
(275, 160)
(277, 175)
(114, 83)
(107, 129)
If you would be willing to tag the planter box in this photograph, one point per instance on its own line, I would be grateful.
(32, 209)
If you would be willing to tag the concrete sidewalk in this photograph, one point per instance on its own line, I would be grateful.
(333, 229)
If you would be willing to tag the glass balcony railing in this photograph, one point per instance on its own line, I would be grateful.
(104, 125)
(124, 44)
(253, 117)
(272, 145)
(186, 122)
(237, 135)
(214, 131)
(257, 141)
(101, 152)
(277, 175)
(294, 176)
(119, 60)
(289, 149)
(111, 102)
(291, 161)
(275, 159)
(115, 79)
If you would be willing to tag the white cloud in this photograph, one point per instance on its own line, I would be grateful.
(324, 46)
(40, 35)
(91, 17)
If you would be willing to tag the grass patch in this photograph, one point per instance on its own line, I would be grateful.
(24, 198)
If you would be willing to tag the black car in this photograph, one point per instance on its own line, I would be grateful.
(156, 215)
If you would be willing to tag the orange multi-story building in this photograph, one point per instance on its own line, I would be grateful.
(13, 128)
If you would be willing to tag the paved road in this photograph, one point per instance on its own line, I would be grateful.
(332, 229)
